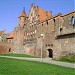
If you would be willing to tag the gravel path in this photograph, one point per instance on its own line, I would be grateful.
(45, 60)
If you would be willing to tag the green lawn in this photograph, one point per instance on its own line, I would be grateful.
(23, 67)
(16, 55)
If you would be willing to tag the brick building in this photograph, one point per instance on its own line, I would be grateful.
(10, 37)
(58, 33)
(6, 43)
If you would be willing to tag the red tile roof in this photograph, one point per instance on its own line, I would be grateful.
(23, 14)
(43, 15)
(11, 35)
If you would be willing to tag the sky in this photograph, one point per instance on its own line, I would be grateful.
(11, 9)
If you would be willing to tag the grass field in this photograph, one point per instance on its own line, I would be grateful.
(17, 55)
(22, 67)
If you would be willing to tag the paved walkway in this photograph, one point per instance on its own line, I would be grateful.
(45, 60)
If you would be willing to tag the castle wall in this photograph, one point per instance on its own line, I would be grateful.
(68, 45)
(30, 48)
(58, 34)
(66, 34)
(6, 47)
(18, 40)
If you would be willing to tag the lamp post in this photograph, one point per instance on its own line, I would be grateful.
(41, 46)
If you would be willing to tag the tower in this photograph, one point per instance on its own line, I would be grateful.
(22, 19)
(20, 32)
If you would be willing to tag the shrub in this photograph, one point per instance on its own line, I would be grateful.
(68, 58)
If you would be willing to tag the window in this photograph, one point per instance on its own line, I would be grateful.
(42, 24)
(73, 20)
(54, 20)
(9, 49)
(32, 25)
(51, 44)
(20, 18)
(47, 22)
(61, 29)
(24, 33)
(48, 44)
(25, 19)
(24, 25)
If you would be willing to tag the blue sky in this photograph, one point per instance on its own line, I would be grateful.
(11, 9)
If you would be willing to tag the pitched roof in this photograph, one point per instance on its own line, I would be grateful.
(23, 14)
(43, 15)
(11, 35)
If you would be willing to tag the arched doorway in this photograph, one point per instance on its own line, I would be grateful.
(9, 49)
(50, 51)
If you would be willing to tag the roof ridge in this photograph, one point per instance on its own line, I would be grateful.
(68, 13)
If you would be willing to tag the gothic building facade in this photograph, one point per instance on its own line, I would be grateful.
(55, 35)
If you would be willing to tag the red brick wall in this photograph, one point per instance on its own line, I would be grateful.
(4, 47)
